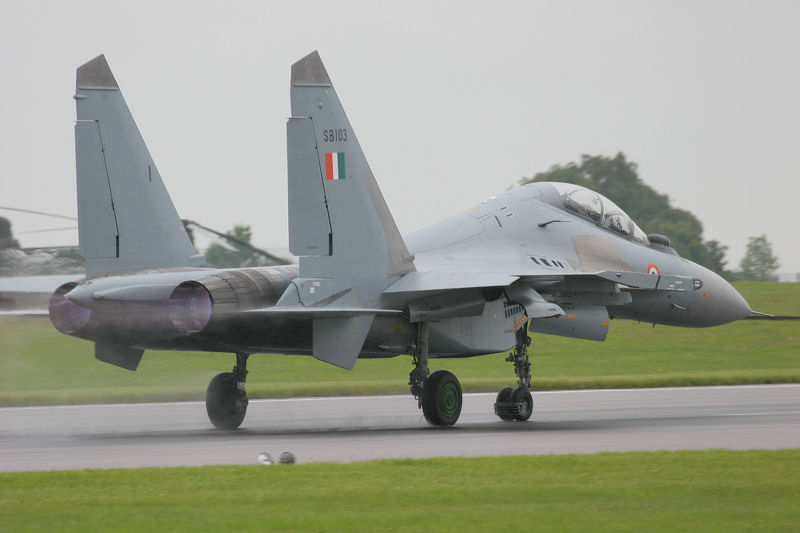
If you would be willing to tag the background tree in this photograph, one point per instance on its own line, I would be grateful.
(758, 263)
(618, 179)
(716, 258)
(240, 256)
(7, 240)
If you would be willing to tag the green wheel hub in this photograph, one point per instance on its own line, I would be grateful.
(449, 399)
(441, 398)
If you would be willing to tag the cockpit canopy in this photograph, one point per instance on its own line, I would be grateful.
(595, 207)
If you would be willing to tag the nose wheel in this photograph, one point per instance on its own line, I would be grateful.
(521, 396)
(517, 403)
(502, 407)
(226, 399)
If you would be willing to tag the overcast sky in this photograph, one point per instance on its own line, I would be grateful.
(452, 102)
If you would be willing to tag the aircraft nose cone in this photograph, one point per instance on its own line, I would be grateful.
(718, 302)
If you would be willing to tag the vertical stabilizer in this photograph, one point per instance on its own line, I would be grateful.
(126, 218)
(339, 222)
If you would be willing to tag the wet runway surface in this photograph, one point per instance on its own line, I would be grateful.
(378, 427)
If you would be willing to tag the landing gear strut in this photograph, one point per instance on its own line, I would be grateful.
(226, 399)
(438, 394)
(517, 403)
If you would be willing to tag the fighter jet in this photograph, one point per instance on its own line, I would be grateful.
(553, 258)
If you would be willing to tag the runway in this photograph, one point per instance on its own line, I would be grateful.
(378, 427)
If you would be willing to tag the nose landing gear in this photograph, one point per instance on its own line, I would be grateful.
(517, 403)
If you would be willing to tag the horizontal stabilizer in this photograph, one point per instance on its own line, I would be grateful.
(338, 341)
(25, 313)
(439, 281)
(121, 356)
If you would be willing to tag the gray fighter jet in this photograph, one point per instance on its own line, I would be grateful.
(552, 257)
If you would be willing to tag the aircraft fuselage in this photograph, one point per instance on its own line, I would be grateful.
(517, 233)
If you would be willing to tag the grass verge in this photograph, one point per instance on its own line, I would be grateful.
(711, 490)
(39, 365)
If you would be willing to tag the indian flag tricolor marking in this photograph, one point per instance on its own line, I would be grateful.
(334, 166)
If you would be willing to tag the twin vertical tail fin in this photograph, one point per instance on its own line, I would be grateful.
(336, 209)
(339, 224)
(126, 218)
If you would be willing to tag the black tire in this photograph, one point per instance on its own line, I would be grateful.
(226, 405)
(504, 396)
(523, 395)
(441, 399)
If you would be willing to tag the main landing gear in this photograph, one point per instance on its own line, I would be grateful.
(438, 394)
(517, 403)
(226, 399)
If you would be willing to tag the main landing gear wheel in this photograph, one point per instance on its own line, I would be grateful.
(441, 399)
(226, 399)
(439, 395)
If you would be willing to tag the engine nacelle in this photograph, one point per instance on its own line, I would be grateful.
(194, 304)
(155, 308)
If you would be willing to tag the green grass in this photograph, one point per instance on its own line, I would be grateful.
(712, 490)
(40, 365)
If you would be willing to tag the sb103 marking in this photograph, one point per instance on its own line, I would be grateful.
(331, 135)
